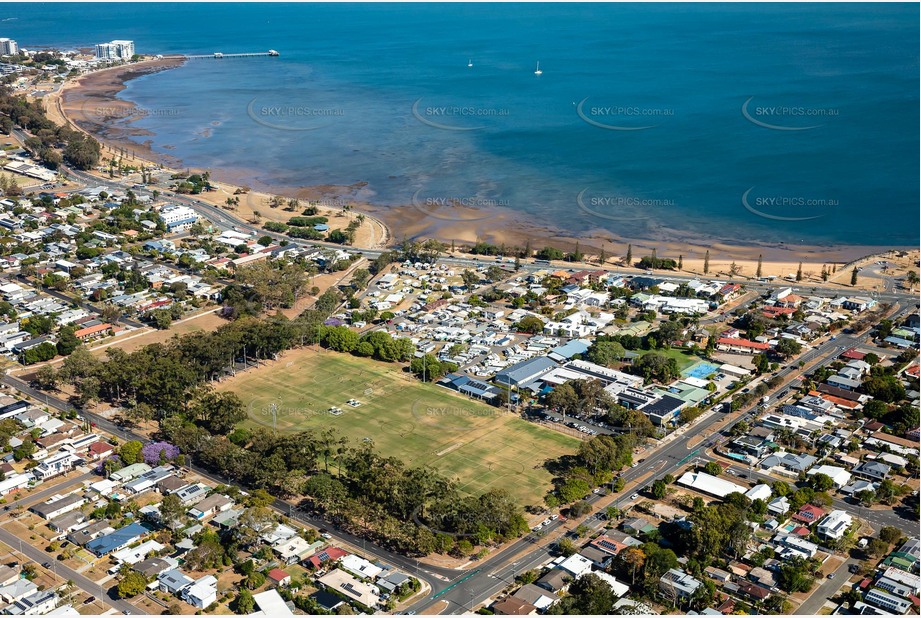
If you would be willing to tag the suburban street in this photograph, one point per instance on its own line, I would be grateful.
(40, 557)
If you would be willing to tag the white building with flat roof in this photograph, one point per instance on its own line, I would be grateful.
(115, 50)
(8, 47)
(709, 484)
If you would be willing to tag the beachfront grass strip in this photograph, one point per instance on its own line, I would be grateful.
(482, 446)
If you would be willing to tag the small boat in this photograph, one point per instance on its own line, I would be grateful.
(470, 63)
(272, 52)
(538, 71)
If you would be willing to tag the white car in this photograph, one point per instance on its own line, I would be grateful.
(634, 496)
(554, 517)
(537, 527)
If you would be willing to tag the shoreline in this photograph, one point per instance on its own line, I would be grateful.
(90, 103)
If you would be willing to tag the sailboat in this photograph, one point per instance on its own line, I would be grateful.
(538, 71)
(470, 63)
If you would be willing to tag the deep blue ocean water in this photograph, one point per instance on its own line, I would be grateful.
(827, 155)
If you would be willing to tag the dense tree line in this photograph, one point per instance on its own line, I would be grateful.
(48, 138)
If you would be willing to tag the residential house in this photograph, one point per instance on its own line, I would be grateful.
(277, 577)
(57, 506)
(835, 525)
(872, 470)
(174, 581)
(202, 592)
(512, 606)
(358, 566)
(678, 585)
(330, 555)
(116, 540)
(554, 580)
(345, 584)
(809, 514)
(216, 503)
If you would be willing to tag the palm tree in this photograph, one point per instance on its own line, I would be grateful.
(912, 279)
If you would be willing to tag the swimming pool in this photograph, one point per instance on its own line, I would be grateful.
(700, 370)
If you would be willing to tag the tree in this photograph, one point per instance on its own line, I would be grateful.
(567, 547)
(707, 262)
(132, 585)
(758, 268)
(799, 272)
(713, 468)
(795, 576)
(67, 342)
(588, 595)
(46, 378)
(605, 353)
(877, 547)
(788, 347)
(530, 324)
(854, 276)
(911, 278)
(219, 412)
(821, 482)
(244, 603)
(890, 534)
(658, 489)
(130, 452)
(171, 510)
(629, 257)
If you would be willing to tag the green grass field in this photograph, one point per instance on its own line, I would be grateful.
(685, 358)
(482, 446)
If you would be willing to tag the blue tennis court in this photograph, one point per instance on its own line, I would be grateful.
(700, 370)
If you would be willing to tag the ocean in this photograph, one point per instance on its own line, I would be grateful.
(778, 123)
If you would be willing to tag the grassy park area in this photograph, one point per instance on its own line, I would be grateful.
(482, 446)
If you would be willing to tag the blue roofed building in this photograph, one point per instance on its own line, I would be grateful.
(470, 386)
(565, 352)
(114, 541)
(524, 372)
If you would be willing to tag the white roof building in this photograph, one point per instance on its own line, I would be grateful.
(708, 484)
(759, 492)
(839, 476)
(132, 555)
(359, 566)
(576, 564)
(835, 525)
(270, 603)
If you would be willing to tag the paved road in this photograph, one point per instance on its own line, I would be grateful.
(82, 582)
(826, 589)
(40, 496)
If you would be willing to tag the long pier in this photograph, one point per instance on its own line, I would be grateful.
(221, 55)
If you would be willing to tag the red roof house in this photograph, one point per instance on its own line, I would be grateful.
(330, 554)
(100, 449)
(809, 514)
(853, 354)
(279, 577)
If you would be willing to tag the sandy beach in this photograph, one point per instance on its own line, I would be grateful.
(90, 102)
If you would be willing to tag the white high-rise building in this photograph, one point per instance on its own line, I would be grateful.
(8, 47)
(116, 50)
